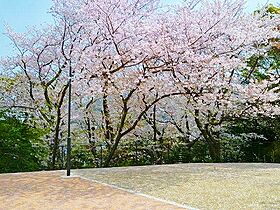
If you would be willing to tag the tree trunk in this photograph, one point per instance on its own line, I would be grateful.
(55, 148)
(90, 135)
(214, 151)
(213, 144)
(112, 152)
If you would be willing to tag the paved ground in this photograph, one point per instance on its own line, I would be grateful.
(225, 186)
(50, 191)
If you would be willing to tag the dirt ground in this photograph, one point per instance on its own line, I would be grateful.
(49, 190)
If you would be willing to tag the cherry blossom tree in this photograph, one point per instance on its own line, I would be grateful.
(40, 80)
(127, 56)
(119, 64)
(198, 50)
(210, 47)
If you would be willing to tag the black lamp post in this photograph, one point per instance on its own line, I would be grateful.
(69, 126)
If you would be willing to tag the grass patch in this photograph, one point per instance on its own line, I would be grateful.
(203, 186)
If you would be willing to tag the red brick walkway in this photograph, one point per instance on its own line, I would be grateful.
(48, 190)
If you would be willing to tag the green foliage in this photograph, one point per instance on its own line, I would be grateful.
(7, 83)
(275, 152)
(273, 9)
(261, 66)
(82, 157)
(244, 140)
(269, 11)
(164, 151)
(21, 148)
(257, 66)
(252, 140)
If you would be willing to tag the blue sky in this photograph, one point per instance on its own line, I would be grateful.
(20, 14)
